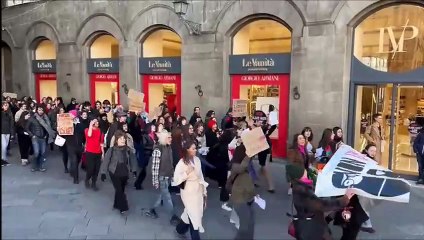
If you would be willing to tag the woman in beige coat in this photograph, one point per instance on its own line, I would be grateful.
(375, 134)
(188, 176)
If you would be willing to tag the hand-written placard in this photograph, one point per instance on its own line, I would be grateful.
(254, 141)
(11, 95)
(239, 108)
(65, 124)
(135, 101)
(156, 112)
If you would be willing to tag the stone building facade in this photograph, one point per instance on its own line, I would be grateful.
(321, 48)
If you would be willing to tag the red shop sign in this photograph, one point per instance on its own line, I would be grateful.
(105, 77)
(46, 76)
(162, 77)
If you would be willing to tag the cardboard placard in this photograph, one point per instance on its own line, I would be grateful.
(239, 108)
(254, 141)
(135, 101)
(65, 124)
(157, 111)
(11, 95)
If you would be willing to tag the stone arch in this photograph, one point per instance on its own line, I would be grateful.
(285, 11)
(148, 18)
(41, 30)
(353, 13)
(7, 38)
(97, 24)
(146, 32)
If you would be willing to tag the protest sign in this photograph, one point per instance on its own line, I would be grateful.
(65, 124)
(135, 101)
(157, 111)
(239, 108)
(11, 95)
(349, 168)
(254, 141)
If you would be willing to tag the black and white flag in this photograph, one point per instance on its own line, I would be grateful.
(350, 168)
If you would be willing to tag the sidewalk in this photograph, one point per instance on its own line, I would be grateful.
(48, 206)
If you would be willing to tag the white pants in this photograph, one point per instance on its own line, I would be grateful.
(5, 138)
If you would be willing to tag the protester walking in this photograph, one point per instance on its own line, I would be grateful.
(119, 161)
(39, 129)
(7, 131)
(162, 172)
(93, 151)
(375, 133)
(419, 151)
(24, 140)
(188, 176)
(148, 141)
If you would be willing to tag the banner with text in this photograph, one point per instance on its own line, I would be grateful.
(160, 65)
(260, 64)
(103, 65)
(239, 108)
(349, 168)
(65, 124)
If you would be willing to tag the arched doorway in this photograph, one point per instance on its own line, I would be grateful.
(44, 69)
(160, 69)
(103, 68)
(387, 78)
(259, 68)
(6, 67)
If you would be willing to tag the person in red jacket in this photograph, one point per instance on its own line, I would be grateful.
(94, 152)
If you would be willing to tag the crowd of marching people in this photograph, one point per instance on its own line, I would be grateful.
(180, 153)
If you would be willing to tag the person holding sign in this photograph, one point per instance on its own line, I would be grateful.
(309, 222)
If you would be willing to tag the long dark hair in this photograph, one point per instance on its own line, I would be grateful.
(337, 138)
(21, 121)
(196, 128)
(326, 138)
(185, 147)
(310, 138)
(295, 145)
(118, 134)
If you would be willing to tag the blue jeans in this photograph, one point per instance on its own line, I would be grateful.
(252, 171)
(165, 195)
(205, 163)
(39, 146)
(5, 138)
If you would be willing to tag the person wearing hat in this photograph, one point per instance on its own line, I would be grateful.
(310, 223)
(121, 116)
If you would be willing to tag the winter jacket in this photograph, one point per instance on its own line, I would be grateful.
(308, 205)
(114, 155)
(34, 128)
(7, 123)
(239, 183)
(419, 144)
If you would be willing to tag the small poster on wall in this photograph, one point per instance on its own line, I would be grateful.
(239, 108)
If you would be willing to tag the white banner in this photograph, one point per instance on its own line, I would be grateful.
(350, 168)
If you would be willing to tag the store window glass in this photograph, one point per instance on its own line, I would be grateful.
(392, 39)
(45, 50)
(262, 36)
(409, 120)
(162, 43)
(104, 46)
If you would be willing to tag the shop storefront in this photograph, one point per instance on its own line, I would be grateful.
(263, 80)
(45, 78)
(160, 68)
(104, 80)
(161, 81)
(387, 77)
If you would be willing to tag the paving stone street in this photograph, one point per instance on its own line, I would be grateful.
(48, 206)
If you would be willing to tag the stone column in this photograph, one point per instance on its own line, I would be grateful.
(69, 73)
(128, 70)
(202, 64)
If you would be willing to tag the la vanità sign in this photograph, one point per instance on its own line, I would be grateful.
(103, 65)
(160, 65)
(260, 63)
(44, 66)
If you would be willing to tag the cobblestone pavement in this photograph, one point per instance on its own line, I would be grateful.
(48, 206)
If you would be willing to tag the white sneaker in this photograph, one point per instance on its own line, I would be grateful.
(24, 162)
(237, 226)
(290, 192)
(226, 207)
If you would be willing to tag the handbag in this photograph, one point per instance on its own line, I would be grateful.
(59, 141)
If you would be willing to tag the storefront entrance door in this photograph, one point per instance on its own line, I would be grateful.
(158, 88)
(261, 91)
(104, 87)
(46, 86)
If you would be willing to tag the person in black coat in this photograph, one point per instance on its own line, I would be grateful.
(195, 117)
(147, 144)
(419, 151)
(351, 224)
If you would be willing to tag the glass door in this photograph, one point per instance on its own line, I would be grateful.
(372, 99)
(409, 120)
